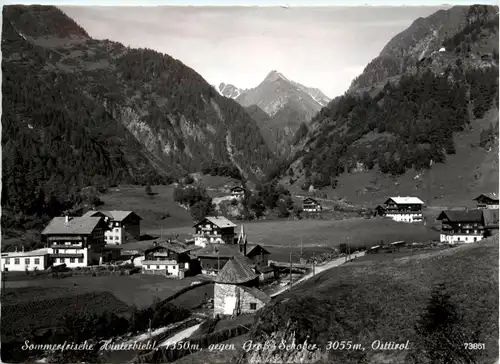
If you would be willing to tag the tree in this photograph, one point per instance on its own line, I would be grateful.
(255, 204)
(148, 190)
(440, 335)
(201, 209)
(282, 209)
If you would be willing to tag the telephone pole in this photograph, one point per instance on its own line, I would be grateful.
(290, 271)
(314, 266)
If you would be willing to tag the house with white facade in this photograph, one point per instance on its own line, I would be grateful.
(124, 226)
(75, 241)
(487, 201)
(311, 205)
(26, 260)
(214, 229)
(402, 209)
(170, 258)
(461, 226)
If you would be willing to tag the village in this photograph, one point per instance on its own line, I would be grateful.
(245, 273)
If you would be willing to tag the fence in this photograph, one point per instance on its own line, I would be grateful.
(167, 355)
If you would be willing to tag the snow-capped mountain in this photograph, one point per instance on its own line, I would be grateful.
(228, 90)
(315, 93)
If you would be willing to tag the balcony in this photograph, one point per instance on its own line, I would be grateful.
(159, 262)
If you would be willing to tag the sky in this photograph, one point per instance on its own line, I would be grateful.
(323, 47)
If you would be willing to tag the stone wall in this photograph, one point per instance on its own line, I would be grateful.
(221, 293)
(246, 299)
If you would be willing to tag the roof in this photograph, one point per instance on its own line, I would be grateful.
(237, 187)
(265, 269)
(31, 253)
(309, 199)
(252, 247)
(474, 215)
(490, 218)
(257, 293)
(173, 245)
(224, 250)
(406, 200)
(219, 221)
(114, 215)
(491, 196)
(236, 271)
(76, 225)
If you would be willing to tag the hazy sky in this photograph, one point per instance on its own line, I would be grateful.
(323, 47)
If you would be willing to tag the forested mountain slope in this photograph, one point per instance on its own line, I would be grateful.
(79, 111)
(413, 121)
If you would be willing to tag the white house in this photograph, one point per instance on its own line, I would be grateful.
(124, 226)
(461, 226)
(75, 241)
(22, 261)
(402, 209)
(214, 229)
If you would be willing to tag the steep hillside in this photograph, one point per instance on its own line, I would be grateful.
(391, 298)
(415, 122)
(79, 111)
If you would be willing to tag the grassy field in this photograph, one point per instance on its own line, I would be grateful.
(140, 290)
(381, 297)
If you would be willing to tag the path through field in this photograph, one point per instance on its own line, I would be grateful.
(184, 334)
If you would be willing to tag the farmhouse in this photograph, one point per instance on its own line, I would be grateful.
(487, 201)
(23, 261)
(236, 289)
(170, 258)
(237, 191)
(402, 209)
(214, 229)
(214, 257)
(76, 241)
(311, 205)
(461, 226)
(124, 226)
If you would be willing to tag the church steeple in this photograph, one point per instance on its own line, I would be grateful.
(242, 241)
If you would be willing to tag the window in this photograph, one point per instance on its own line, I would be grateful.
(7, 261)
(148, 266)
(71, 260)
(253, 306)
(37, 261)
(16, 260)
(475, 239)
(117, 237)
(27, 261)
(80, 260)
(117, 230)
(61, 260)
(117, 224)
(157, 267)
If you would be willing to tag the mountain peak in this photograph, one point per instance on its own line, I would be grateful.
(274, 76)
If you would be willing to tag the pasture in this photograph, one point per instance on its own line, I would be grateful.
(381, 297)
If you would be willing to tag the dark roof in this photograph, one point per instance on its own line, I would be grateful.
(474, 215)
(257, 293)
(176, 246)
(490, 218)
(266, 269)
(236, 271)
(488, 196)
(76, 226)
(225, 250)
(310, 200)
(237, 187)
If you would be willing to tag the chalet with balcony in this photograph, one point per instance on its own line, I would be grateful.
(170, 258)
(487, 201)
(75, 241)
(214, 229)
(214, 257)
(461, 226)
(124, 226)
(26, 261)
(237, 191)
(236, 289)
(311, 205)
(402, 209)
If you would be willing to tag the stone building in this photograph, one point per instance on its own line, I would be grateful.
(236, 289)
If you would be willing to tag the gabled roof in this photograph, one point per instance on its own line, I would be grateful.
(405, 200)
(219, 221)
(490, 196)
(236, 271)
(257, 293)
(31, 253)
(237, 187)
(225, 250)
(76, 225)
(309, 199)
(173, 245)
(114, 215)
(252, 247)
(490, 218)
(474, 215)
